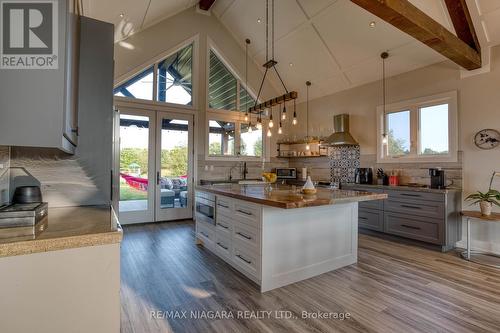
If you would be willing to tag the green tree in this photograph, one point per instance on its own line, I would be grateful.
(396, 145)
(257, 147)
(214, 148)
(134, 155)
(174, 162)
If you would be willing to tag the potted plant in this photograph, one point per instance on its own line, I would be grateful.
(485, 200)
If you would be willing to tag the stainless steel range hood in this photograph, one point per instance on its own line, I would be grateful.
(341, 136)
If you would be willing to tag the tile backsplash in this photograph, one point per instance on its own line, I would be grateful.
(4, 174)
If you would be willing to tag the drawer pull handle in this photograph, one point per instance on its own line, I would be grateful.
(204, 234)
(363, 218)
(222, 225)
(221, 205)
(247, 261)
(410, 227)
(220, 244)
(412, 207)
(243, 235)
(410, 195)
(244, 212)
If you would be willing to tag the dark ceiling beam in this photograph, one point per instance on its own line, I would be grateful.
(462, 22)
(206, 4)
(411, 20)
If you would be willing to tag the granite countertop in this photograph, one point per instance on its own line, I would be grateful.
(286, 196)
(69, 227)
(406, 188)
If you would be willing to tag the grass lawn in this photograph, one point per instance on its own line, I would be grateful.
(130, 193)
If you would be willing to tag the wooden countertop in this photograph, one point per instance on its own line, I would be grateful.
(288, 197)
(67, 228)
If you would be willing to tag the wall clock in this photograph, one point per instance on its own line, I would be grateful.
(487, 139)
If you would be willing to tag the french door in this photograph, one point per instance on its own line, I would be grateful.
(156, 166)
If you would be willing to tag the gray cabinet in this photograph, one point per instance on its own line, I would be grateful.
(42, 107)
(431, 217)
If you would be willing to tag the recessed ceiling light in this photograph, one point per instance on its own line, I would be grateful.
(122, 15)
(290, 64)
(373, 24)
(259, 20)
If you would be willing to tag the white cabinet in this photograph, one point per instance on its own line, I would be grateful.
(236, 235)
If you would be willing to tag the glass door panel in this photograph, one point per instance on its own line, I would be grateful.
(174, 172)
(136, 167)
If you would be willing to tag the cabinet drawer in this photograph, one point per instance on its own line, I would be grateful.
(246, 235)
(206, 233)
(247, 213)
(415, 195)
(419, 228)
(223, 247)
(224, 206)
(371, 219)
(433, 209)
(246, 260)
(224, 225)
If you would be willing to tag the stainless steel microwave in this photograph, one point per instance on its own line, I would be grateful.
(286, 173)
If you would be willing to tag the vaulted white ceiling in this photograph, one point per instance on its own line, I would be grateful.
(329, 42)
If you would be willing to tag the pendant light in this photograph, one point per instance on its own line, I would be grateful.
(269, 133)
(308, 84)
(385, 139)
(283, 114)
(294, 121)
(247, 42)
(259, 121)
(271, 123)
(280, 128)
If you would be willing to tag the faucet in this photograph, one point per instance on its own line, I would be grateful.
(231, 171)
(245, 170)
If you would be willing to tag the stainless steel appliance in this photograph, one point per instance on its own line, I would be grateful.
(23, 220)
(437, 178)
(363, 176)
(286, 173)
(341, 136)
(205, 207)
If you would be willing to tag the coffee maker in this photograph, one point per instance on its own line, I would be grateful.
(437, 178)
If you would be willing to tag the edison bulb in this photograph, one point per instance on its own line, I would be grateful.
(249, 128)
(385, 139)
(280, 131)
(283, 116)
(271, 123)
(259, 125)
(308, 147)
(269, 134)
(294, 121)
(246, 117)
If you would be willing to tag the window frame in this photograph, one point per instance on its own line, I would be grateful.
(414, 106)
(154, 63)
(222, 115)
(211, 46)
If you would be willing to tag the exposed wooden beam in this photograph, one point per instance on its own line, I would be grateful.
(462, 22)
(274, 101)
(206, 4)
(411, 20)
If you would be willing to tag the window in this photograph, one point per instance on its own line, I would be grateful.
(140, 86)
(232, 138)
(423, 129)
(173, 77)
(250, 140)
(225, 91)
(221, 138)
(398, 125)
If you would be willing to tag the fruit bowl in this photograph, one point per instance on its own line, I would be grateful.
(269, 177)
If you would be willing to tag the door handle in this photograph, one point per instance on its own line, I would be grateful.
(412, 207)
(244, 212)
(222, 225)
(247, 261)
(220, 244)
(410, 227)
(244, 236)
(221, 205)
(157, 177)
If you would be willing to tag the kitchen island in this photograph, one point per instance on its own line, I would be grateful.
(276, 235)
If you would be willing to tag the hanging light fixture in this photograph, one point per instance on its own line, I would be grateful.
(247, 42)
(270, 64)
(250, 128)
(269, 133)
(385, 138)
(294, 121)
(308, 84)
(271, 123)
(259, 121)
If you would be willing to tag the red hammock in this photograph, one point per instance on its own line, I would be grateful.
(136, 182)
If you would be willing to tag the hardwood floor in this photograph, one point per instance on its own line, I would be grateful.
(393, 288)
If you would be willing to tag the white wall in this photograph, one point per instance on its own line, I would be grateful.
(479, 108)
